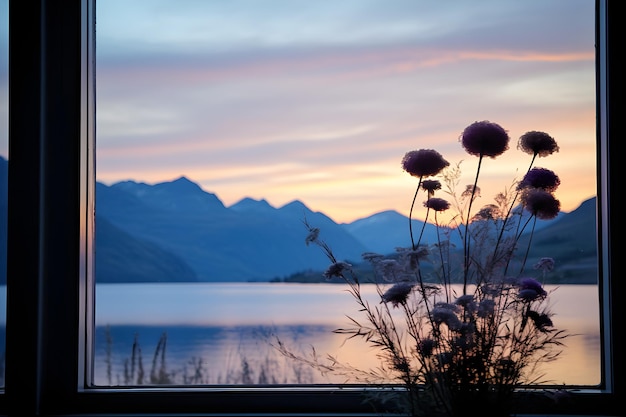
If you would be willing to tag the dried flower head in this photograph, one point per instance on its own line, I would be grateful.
(398, 293)
(471, 190)
(486, 308)
(537, 143)
(540, 178)
(443, 314)
(541, 203)
(424, 163)
(313, 235)
(488, 212)
(545, 264)
(427, 346)
(337, 269)
(491, 330)
(431, 186)
(485, 139)
(530, 289)
(437, 204)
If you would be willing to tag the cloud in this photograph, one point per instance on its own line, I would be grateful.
(319, 101)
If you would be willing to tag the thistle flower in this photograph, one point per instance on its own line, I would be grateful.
(427, 346)
(471, 190)
(431, 186)
(424, 163)
(437, 204)
(488, 212)
(442, 314)
(545, 264)
(389, 269)
(537, 143)
(412, 257)
(397, 294)
(486, 308)
(485, 139)
(337, 269)
(460, 341)
(467, 302)
(530, 289)
(541, 203)
(313, 235)
(372, 256)
(542, 178)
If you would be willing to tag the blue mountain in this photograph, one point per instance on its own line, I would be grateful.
(250, 241)
(175, 231)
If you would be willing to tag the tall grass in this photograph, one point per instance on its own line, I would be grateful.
(270, 369)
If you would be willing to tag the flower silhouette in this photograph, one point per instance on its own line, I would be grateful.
(452, 324)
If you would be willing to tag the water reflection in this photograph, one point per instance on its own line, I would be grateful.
(221, 333)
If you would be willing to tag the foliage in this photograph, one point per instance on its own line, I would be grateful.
(456, 330)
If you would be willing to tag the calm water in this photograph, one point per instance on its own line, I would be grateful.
(222, 333)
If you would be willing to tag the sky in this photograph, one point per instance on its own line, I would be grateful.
(319, 101)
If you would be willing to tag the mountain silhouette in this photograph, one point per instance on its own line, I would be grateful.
(248, 242)
(177, 232)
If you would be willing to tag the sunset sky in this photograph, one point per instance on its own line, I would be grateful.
(319, 101)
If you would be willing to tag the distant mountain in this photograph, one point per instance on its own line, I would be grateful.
(383, 232)
(248, 241)
(571, 240)
(123, 258)
(175, 231)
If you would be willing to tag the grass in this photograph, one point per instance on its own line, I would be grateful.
(131, 370)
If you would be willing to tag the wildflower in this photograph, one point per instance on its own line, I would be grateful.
(426, 346)
(431, 186)
(397, 294)
(389, 269)
(471, 190)
(488, 212)
(443, 314)
(530, 289)
(314, 233)
(372, 256)
(545, 264)
(485, 139)
(423, 163)
(537, 143)
(542, 178)
(541, 321)
(491, 332)
(337, 269)
(541, 203)
(466, 301)
(486, 308)
(437, 204)
(412, 256)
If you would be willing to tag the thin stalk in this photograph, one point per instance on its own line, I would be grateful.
(413, 247)
(466, 241)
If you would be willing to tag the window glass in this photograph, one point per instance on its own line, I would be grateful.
(221, 126)
(4, 155)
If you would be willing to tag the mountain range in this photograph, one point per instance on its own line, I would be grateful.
(176, 232)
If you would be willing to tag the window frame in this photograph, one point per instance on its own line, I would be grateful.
(50, 230)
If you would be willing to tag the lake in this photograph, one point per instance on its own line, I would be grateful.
(222, 333)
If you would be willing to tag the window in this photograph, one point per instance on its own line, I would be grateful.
(4, 142)
(326, 115)
(50, 230)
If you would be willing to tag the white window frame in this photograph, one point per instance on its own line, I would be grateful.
(50, 234)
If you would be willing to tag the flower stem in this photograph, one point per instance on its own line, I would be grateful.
(413, 247)
(466, 243)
